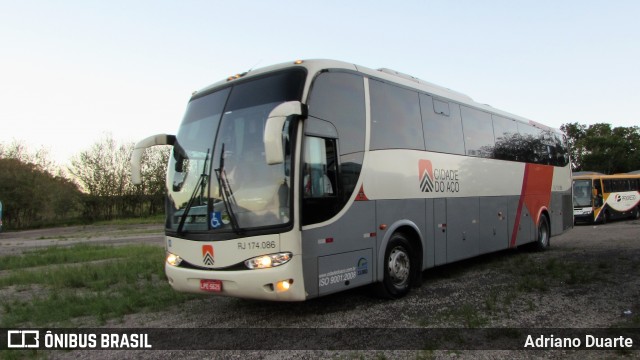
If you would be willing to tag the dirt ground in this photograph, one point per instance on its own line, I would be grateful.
(589, 279)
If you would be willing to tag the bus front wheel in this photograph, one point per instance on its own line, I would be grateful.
(398, 266)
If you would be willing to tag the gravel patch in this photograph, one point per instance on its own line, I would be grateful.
(588, 279)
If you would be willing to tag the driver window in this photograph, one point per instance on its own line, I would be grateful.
(320, 189)
(319, 168)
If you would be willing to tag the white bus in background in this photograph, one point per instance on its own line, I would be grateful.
(307, 178)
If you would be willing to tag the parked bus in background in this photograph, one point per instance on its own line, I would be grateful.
(312, 177)
(600, 198)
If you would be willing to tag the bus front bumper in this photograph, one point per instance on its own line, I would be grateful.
(263, 284)
(583, 214)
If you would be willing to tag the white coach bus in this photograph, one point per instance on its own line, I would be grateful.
(307, 178)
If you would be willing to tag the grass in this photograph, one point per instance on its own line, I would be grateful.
(525, 275)
(85, 280)
(467, 315)
(158, 219)
(66, 255)
(92, 231)
(543, 274)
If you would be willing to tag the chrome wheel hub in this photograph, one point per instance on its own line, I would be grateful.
(399, 266)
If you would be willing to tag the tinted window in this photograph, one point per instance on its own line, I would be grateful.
(531, 147)
(547, 143)
(395, 118)
(559, 152)
(615, 185)
(442, 132)
(275, 88)
(503, 128)
(505, 132)
(339, 98)
(624, 185)
(478, 132)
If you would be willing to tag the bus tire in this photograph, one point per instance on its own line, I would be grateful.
(398, 266)
(543, 235)
(635, 214)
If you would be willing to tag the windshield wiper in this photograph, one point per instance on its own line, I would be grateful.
(226, 193)
(199, 188)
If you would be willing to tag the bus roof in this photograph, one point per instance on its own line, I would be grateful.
(315, 66)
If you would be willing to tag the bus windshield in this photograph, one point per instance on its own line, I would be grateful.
(581, 193)
(218, 179)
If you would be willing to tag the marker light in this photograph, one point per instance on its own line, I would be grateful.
(268, 261)
(236, 76)
(283, 285)
(173, 259)
(298, 62)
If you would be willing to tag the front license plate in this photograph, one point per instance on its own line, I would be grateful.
(211, 285)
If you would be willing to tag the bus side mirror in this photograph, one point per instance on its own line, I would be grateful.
(179, 166)
(273, 149)
(138, 150)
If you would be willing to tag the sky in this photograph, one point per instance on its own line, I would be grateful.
(74, 71)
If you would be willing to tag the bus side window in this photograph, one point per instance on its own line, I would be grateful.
(441, 125)
(395, 117)
(320, 188)
(506, 134)
(598, 196)
(319, 167)
(338, 98)
(478, 132)
(531, 147)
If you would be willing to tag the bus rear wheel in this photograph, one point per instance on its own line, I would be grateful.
(398, 266)
(544, 234)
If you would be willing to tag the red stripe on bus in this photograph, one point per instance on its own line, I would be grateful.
(535, 194)
(516, 225)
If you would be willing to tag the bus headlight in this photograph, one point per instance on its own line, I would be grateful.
(268, 261)
(173, 259)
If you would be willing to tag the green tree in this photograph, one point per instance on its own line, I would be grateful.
(32, 195)
(153, 187)
(574, 134)
(601, 148)
(103, 171)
